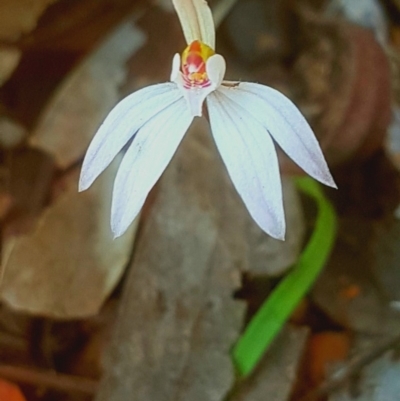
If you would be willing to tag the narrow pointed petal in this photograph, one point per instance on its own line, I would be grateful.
(196, 19)
(250, 157)
(145, 161)
(286, 124)
(121, 124)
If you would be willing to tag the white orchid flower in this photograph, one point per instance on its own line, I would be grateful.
(245, 118)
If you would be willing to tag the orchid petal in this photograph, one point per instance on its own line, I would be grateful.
(215, 68)
(144, 162)
(121, 124)
(197, 22)
(250, 157)
(286, 124)
(176, 66)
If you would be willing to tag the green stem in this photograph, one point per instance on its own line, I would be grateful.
(275, 311)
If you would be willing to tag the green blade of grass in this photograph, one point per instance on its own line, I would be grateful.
(274, 312)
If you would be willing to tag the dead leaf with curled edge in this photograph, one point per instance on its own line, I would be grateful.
(70, 263)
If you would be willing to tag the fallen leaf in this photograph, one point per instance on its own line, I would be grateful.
(178, 318)
(70, 263)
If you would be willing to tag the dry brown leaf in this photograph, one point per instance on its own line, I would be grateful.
(70, 263)
(178, 318)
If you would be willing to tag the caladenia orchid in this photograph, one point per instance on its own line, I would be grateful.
(245, 118)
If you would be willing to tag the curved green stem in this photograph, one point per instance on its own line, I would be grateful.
(274, 312)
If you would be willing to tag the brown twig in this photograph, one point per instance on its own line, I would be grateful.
(50, 379)
(344, 374)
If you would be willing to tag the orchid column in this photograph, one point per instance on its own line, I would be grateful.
(245, 119)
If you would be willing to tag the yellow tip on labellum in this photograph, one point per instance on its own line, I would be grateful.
(194, 59)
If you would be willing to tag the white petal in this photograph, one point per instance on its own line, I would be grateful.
(176, 66)
(215, 68)
(286, 124)
(250, 157)
(196, 20)
(121, 124)
(144, 162)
